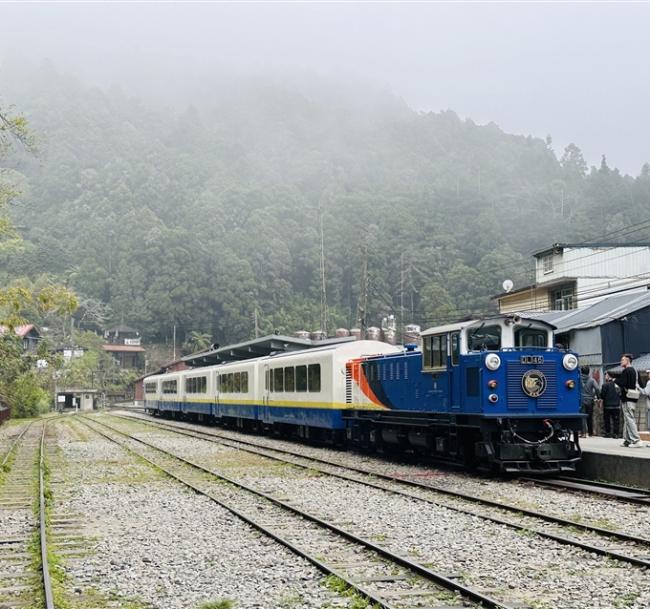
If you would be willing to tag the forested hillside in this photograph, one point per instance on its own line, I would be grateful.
(198, 216)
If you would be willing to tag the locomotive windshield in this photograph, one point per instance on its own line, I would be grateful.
(531, 338)
(484, 338)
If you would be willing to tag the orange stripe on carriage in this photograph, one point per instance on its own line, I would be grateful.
(355, 369)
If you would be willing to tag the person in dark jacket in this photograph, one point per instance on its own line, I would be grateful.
(610, 394)
(588, 393)
(628, 380)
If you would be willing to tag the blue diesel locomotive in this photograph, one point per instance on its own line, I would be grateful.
(492, 393)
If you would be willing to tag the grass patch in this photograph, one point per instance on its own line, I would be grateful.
(341, 587)
(225, 603)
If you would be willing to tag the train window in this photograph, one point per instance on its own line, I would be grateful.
(426, 352)
(531, 337)
(439, 351)
(196, 384)
(244, 382)
(278, 379)
(314, 378)
(455, 348)
(236, 388)
(301, 378)
(271, 381)
(266, 379)
(150, 388)
(169, 386)
(289, 379)
(484, 338)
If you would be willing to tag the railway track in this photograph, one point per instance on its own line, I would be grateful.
(384, 578)
(24, 572)
(605, 542)
(612, 491)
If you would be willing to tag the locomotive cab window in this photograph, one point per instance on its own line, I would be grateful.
(435, 352)
(527, 338)
(455, 348)
(484, 338)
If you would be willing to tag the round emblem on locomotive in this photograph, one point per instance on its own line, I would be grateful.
(533, 383)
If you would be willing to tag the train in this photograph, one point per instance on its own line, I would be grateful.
(491, 393)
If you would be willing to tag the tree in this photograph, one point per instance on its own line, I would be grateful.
(197, 341)
(573, 162)
(19, 381)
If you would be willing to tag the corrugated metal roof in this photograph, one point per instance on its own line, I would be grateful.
(258, 347)
(597, 314)
(595, 245)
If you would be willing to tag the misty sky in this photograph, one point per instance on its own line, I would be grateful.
(578, 72)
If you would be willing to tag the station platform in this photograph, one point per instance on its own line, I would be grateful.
(606, 460)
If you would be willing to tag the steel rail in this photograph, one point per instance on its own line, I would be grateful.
(468, 593)
(623, 537)
(15, 443)
(47, 582)
(604, 489)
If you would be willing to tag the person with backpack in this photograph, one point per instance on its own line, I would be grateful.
(610, 394)
(588, 393)
(630, 394)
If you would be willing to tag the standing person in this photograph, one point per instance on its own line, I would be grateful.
(645, 391)
(588, 393)
(628, 382)
(610, 394)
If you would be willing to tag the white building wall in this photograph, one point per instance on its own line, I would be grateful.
(599, 271)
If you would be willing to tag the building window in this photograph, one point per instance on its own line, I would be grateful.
(563, 299)
(547, 264)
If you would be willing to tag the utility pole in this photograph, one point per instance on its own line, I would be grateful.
(401, 298)
(256, 323)
(174, 356)
(362, 307)
(323, 284)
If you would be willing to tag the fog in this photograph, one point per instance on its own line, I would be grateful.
(577, 72)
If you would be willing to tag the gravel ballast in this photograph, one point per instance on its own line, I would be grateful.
(495, 558)
(167, 547)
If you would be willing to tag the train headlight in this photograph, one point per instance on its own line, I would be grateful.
(492, 361)
(493, 397)
(570, 361)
